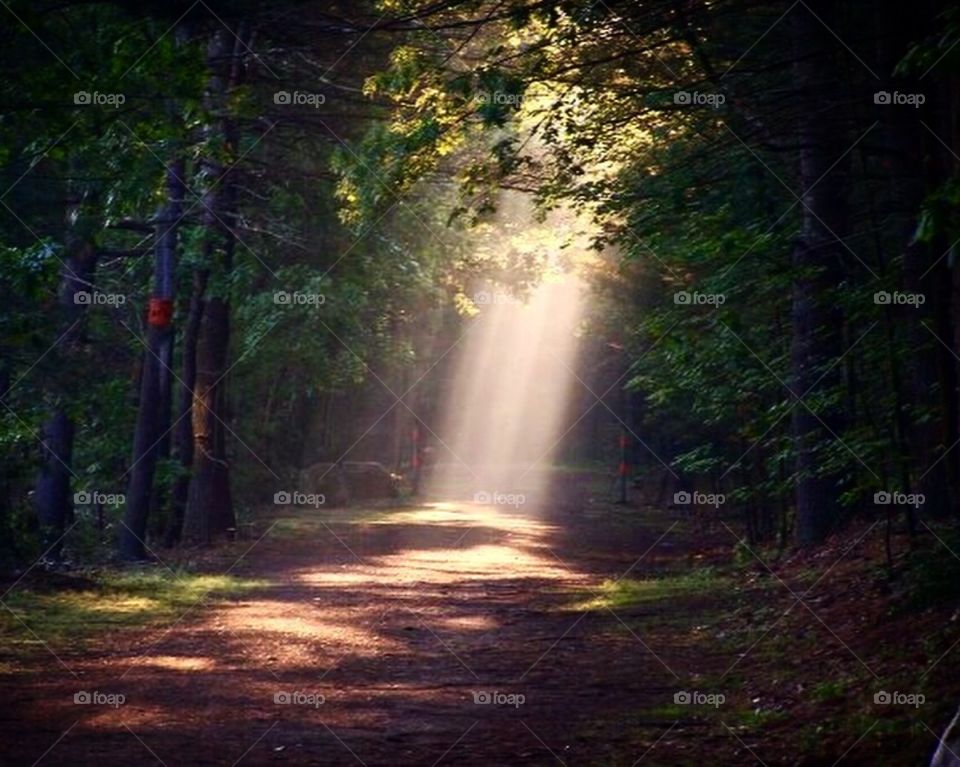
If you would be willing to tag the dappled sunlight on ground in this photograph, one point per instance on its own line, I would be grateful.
(507, 551)
(467, 623)
(120, 604)
(353, 577)
(178, 662)
(390, 621)
(275, 620)
(477, 562)
(467, 514)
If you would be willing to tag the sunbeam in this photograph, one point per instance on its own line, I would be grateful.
(505, 412)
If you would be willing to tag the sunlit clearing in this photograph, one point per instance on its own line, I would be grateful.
(506, 411)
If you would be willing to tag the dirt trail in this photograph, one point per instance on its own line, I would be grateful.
(383, 631)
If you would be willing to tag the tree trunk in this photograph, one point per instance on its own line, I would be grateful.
(210, 507)
(184, 422)
(817, 262)
(52, 494)
(51, 499)
(153, 415)
(210, 510)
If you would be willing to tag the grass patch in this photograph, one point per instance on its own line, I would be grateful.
(674, 711)
(300, 522)
(108, 600)
(748, 557)
(756, 719)
(829, 689)
(627, 592)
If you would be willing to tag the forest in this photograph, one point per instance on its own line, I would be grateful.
(480, 381)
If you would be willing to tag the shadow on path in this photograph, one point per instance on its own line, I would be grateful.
(434, 634)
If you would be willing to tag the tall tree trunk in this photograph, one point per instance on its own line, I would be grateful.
(210, 510)
(817, 260)
(184, 421)
(912, 179)
(210, 507)
(950, 122)
(153, 415)
(51, 499)
(52, 493)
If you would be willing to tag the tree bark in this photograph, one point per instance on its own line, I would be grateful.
(153, 415)
(52, 493)
(51, 499)
(210, 508)
(817, 263)
(184, 422)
